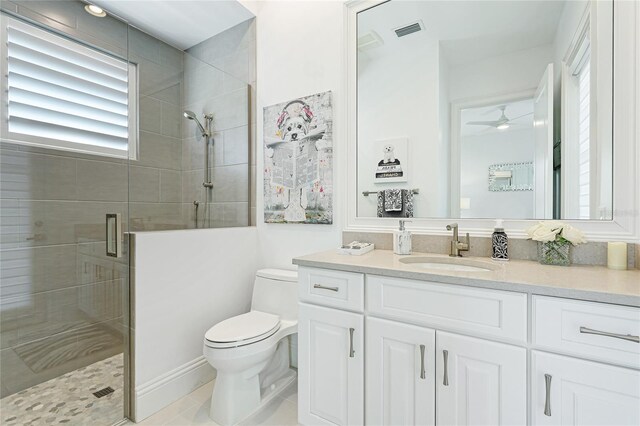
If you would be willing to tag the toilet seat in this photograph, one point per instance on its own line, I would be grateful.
(242, 330)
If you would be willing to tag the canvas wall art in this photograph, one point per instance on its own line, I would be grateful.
(298, 160)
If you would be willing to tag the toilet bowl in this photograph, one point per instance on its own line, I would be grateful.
(251, 351)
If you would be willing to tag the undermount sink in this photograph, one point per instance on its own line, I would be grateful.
(448, 264)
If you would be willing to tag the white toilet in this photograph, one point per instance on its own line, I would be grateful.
(251, 351)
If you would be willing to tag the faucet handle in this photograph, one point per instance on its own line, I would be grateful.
(466, 245)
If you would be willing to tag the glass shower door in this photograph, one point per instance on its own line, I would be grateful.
(64, 280)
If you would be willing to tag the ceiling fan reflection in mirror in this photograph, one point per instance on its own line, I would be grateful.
(501, 123)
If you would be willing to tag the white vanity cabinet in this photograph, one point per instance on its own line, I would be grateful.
(567, 390)
(331, 366)
(571, 391)
(409, 368)
(400, 373)
(480, 382)
(381, 350)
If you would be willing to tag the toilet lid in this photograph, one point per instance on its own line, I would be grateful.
(252, 325)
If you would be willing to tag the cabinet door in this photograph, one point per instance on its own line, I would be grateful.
(330, 366)
(570, 391)
(480, 382)
(399, 374)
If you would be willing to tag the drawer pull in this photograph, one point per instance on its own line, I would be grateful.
(628, 337)
(423, 373)
(323, 287)
(352, 353)
(547, 400)
(445, 356)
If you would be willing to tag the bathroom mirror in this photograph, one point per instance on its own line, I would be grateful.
(484, 109)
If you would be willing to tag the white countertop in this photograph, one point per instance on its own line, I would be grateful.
(595, 283)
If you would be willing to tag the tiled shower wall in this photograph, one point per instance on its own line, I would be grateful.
(219, 76)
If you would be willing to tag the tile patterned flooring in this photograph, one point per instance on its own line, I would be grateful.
(66, 400)
(193, 409)
(69, 399)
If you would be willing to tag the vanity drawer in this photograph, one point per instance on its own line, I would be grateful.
(593, 330)
(481, 312)
(344, 290)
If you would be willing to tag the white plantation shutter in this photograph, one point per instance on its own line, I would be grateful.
(64, 95)
(584, 151)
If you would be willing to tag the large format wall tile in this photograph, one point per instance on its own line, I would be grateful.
(33, 176)
(170, 186)
(155, 216)
(231, 183)
(149, 115)
(159, 151)
(236, 146)
(192, 188)
(10, 224)
(101, 181)
(144, 184)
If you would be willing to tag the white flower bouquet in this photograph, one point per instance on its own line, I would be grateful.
(554, 240)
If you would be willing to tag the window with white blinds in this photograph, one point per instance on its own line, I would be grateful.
(64, 95)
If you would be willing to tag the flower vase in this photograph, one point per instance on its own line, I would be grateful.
(554, 253)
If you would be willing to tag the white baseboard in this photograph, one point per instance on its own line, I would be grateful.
(156, 394)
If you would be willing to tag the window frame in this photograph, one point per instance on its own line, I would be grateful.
(58, 144)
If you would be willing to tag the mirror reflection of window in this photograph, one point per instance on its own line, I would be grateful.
(475, 85)
(584, 151)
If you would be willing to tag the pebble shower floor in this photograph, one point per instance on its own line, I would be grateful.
(69, 399)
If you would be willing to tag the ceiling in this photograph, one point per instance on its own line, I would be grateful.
(491, 112)
(467, 31)
(180, 23)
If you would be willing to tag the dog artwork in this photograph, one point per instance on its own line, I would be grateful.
(388, 154)
(298, 161)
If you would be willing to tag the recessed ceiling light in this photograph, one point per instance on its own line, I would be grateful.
(94, 10)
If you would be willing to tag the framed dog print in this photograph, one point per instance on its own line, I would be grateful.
(391, 160)
(298, 160)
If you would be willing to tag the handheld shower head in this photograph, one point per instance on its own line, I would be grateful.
(192, 116)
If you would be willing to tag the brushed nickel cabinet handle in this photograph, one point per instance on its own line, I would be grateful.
(445, 356)
(352, 353)
(423, 373)
(628, 337)
(547, 400)
(323, 287)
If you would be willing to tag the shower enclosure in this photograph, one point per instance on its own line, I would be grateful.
(94, 146)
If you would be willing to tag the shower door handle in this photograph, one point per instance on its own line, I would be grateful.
(114, 235)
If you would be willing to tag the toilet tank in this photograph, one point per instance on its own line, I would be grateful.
(275, 291)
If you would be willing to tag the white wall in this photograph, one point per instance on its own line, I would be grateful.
(478, 152)
(184, 283)
(299, 52)
(399, 97)
(510, 73)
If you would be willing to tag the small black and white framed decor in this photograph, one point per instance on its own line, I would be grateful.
(391, 160)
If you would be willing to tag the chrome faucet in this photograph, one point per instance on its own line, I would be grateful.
(456, 245)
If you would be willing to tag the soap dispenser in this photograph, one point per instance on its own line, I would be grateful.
(499, 242)
(402, 239)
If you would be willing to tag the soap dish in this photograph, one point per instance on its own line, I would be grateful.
(356, 248)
